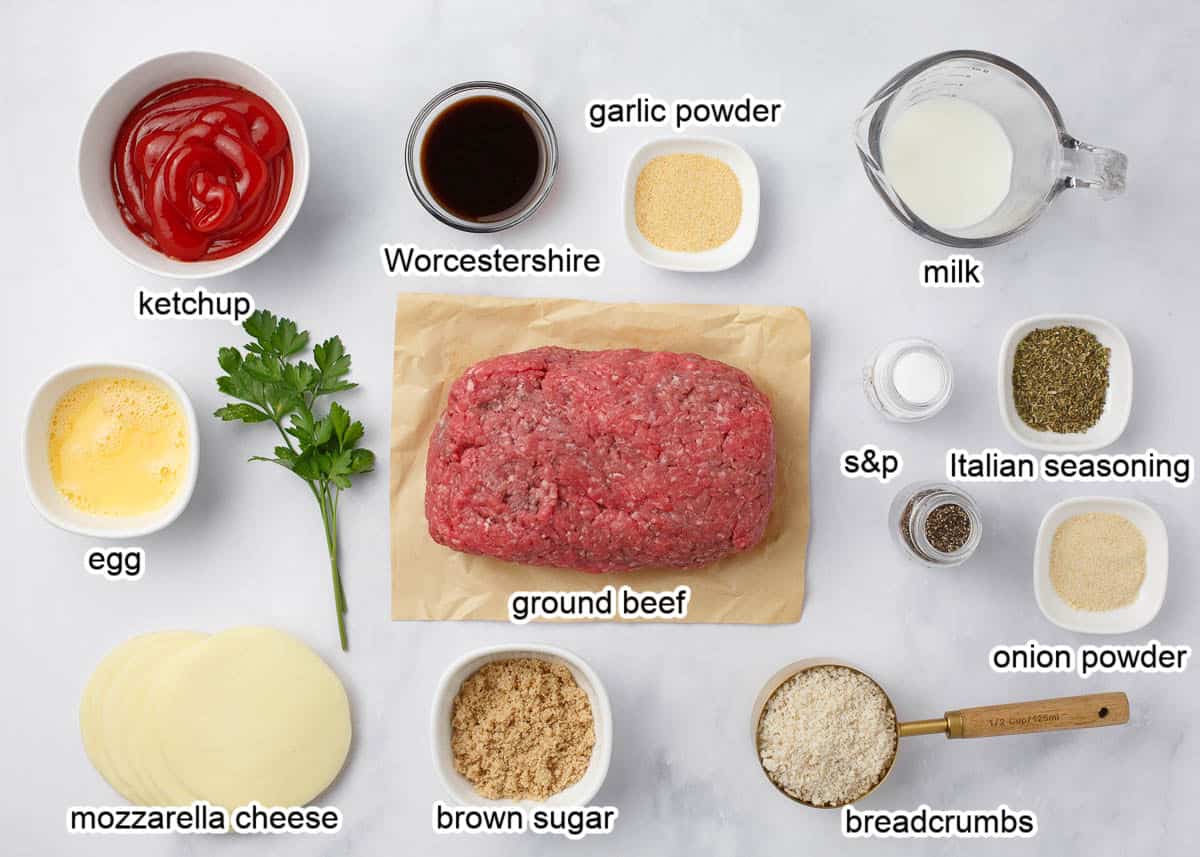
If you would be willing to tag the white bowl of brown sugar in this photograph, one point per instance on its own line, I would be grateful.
(1100, 565)
(523, 725)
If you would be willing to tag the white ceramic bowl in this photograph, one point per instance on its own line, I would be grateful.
(719, 258)
(100, 132)
(1154, 587)
(461, 791)
(34, 448)
(1120, 387)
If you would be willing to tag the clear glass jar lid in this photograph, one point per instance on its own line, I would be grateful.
(909, 380)
(936, 524)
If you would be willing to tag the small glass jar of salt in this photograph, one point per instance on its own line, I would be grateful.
(909, 380)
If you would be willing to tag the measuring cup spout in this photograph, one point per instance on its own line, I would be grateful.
(1088, 166)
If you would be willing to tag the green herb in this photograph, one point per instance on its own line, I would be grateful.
(271, 386)
(1060, 379)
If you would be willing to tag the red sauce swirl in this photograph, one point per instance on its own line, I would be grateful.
(201, 169)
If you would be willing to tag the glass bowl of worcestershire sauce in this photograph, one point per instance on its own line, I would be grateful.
(481, 156)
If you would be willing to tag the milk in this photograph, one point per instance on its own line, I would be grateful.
(949, 160)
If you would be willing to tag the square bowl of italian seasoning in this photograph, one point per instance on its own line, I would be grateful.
(1100, 565)
(691, 203)
(1065, 382)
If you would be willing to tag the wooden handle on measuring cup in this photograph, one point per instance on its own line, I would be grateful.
(1043, 715)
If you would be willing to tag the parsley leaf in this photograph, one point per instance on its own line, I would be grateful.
(270, 386)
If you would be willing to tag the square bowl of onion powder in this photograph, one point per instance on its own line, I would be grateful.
(1100, 565)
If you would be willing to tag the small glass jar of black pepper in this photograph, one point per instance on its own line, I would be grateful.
(936, 524)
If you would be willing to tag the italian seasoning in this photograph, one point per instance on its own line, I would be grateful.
(1060, 379)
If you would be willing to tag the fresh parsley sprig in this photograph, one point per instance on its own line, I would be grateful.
(271, 386)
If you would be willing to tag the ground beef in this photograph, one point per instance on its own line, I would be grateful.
(602, 460)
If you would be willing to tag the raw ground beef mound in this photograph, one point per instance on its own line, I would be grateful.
(602, 460)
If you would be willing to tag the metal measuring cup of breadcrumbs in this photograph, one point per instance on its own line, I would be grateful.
(936, 524)
(829, 710)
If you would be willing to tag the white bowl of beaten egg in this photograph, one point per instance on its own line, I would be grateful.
(110, 449)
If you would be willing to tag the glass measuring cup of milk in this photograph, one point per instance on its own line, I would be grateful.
(967, 149)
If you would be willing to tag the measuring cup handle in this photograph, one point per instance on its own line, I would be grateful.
(1088, 166)
(1045, 715)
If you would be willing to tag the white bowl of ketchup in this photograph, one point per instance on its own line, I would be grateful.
(229, 246)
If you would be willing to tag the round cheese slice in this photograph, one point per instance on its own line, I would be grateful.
(251, 714)
(127, 722)
(103, 720)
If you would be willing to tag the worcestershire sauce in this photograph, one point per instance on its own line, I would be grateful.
(480, 157)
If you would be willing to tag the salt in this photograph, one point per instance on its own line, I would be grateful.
(909, 380)
(919, 377)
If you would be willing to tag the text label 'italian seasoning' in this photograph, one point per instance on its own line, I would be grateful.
(993, 465)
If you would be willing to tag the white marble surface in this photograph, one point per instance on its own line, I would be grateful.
(248, 551)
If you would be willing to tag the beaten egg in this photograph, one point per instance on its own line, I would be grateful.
(118, 446)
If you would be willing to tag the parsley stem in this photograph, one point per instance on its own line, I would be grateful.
(270, 381)
(329, 518)
(339, 592)
(328, 506)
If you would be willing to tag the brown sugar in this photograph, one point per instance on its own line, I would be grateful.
(521, 729)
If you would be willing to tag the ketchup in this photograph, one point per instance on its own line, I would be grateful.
(201, 169)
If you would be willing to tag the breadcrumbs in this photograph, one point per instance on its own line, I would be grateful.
(687, 203)
(1098, 561)
(827, 736)
(522, 729)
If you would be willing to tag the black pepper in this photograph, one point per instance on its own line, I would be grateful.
(948, 528)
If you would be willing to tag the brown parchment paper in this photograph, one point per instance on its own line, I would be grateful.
(440, 336)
